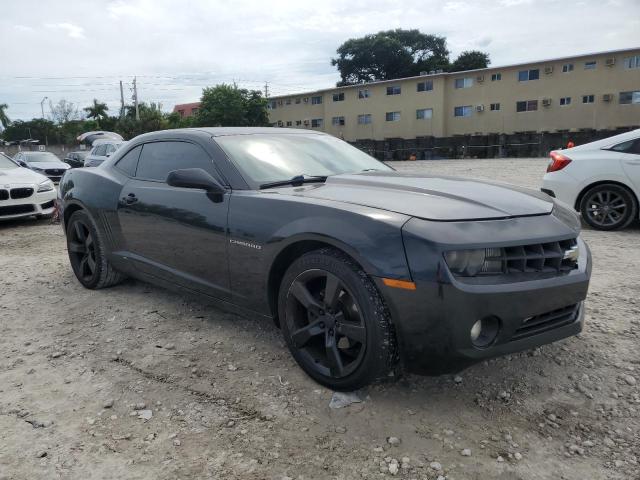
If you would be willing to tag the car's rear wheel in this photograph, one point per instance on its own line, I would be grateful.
(335, 322)
(85, 247)
(608, 207)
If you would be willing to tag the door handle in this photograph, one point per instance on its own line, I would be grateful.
(129, 199)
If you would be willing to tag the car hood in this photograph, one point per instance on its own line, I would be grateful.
(45, 165)
(19, 176)
(431, 198)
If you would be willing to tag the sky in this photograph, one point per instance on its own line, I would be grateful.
(80, 49)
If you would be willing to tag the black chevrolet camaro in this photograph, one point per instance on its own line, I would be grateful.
(361, 267)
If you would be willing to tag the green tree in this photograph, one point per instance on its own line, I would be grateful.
(470, 60)
(37, 129)
(390, 54)
(151, 119)
(230, 106)
(97, 111)
(4, 118)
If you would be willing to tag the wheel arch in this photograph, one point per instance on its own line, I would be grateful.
(69, 210)
(604, 182)
(294, 250)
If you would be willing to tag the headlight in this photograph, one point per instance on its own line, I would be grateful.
(45, 186)
(468, 263)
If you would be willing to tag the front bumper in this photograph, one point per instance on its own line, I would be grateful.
(35, 204)
(433, 322)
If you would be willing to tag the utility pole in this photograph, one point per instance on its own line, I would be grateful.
(266, 89)
(42, 106)
(121, 102)
(135, 98)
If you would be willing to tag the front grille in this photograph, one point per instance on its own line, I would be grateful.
(551, 257)
(15, 210)
(21, 192)
(547, 321)
(54, 171)
(4, 194)
(49, 204)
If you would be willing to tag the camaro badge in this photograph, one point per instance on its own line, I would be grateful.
(245, 244)
(572, 254)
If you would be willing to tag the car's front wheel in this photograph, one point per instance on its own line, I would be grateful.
(87, 253)
(608, 207)
(335, 322)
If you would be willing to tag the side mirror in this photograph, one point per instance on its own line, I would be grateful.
(197, 178)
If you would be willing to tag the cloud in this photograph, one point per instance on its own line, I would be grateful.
(72, 31)
(23, 28)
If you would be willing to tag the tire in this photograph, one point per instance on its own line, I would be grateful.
(87, 255)
(608, 207)
(343, 340)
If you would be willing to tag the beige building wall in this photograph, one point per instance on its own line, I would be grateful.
(609, 77)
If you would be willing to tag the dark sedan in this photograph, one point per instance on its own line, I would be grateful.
(360, 266)
(45, 163)
(75, 159)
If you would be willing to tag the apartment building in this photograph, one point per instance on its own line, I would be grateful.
(599, 91)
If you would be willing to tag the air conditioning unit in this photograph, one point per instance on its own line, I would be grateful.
(548, 70)
(479, 108)
(546, 102)
(480, 78)
(306, 121)
(305, 99)
(610, 62)
(280, 124)
(607, 97)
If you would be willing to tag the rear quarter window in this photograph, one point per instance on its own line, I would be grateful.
(129, 162)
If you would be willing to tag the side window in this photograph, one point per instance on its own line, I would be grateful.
(160, 158)
(111, 148)
(630, 146)
(129, 162)
(101, 150)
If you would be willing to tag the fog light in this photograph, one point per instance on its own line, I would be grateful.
(484, 332)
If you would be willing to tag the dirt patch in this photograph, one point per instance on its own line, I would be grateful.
(137, 382)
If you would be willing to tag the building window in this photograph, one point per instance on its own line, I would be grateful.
(287, 101)
(628, 98)
(298, 123)
(316, 100)
(316, 122)
(392, 116)
(338, 97)
(394, 90)
(425, 86)
(631, 62)
(194, 111)
(590, 65)
(526, 75)
(494, 107)
(588, 98)
(298, 101)
(465, 82)
(567, 67)
(273, 105)
(364, 119)
(464, 111)
(181, 112)
(289, 123)
(565, 100)
(363, 93)
(527, 106)
(337, 121)
(496, 77)
(424, 113)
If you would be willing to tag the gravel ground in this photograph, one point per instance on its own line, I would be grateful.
(138, 382)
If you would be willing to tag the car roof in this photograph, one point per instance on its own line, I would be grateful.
(221, 131)
(38, 153)
(607, 142)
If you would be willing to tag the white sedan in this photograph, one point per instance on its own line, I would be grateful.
(24, 192)
(601, 180)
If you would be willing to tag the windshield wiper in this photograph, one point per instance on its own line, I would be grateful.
(295, 181)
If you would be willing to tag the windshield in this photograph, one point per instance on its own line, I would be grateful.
(6, 163)
(40, 157)
(263, 158)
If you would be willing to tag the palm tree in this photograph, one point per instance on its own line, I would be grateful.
(4, 119)
(97, 111)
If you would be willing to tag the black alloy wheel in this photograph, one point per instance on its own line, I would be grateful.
(325, 323)
(335, 321)
(82, 251)
(608, 207)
